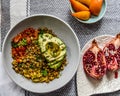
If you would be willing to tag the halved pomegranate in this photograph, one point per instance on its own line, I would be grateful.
(112, 54)
(94, 61)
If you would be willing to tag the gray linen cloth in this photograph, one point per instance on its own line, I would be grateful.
(12, 11)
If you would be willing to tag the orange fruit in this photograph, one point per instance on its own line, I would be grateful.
(83, 15)
(86, 2)
(95, 6)
(77, 6)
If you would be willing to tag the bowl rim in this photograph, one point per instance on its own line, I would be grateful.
(85, 22)
(36, 15)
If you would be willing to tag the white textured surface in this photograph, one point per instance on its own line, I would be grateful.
(86, 85)
(17, 11)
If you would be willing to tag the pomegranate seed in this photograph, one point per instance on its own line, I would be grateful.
(111, 47)
(116, 74)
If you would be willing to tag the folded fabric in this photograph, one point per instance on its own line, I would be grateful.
(7, 86)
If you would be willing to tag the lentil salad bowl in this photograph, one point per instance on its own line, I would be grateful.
(29, 60)
(59, 78)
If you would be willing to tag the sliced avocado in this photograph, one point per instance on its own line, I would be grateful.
(56, 61)
(51, 56)
(56, 66)
(53, 48)
(43, 40)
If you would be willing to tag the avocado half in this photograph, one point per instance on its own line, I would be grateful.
(53, 49)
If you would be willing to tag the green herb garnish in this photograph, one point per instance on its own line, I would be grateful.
(14, 45)
(44, 72)
(23, 42)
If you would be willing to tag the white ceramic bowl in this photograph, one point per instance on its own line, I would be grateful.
(63, 31)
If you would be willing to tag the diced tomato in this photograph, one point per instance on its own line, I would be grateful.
(17, 38)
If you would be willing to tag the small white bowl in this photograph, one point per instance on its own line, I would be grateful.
(93, 19)
(63, 31)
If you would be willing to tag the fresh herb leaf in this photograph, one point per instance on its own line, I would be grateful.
(32, 66)
(23, 42)
(14, 44)
(40, 31)
(20, 65)
(44, 72)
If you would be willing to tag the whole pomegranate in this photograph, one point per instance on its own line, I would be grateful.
(112, 54)
(94, 61)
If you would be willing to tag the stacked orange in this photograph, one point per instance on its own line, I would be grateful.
(84, 8)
